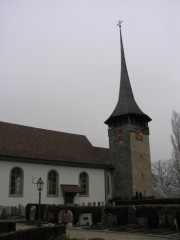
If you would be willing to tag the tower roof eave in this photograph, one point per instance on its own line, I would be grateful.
(114, 118)
(127, 107)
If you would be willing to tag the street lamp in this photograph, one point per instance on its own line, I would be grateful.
(40, 184)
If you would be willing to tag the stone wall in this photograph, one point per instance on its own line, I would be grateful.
(12, 211)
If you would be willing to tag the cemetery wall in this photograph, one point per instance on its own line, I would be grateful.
(153, 216)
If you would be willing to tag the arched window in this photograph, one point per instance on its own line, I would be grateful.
(52, 186)
(84, 184)
(16, 182)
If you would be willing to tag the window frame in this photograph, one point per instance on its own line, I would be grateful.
(21, 185)
(56, 184)
(86, 193)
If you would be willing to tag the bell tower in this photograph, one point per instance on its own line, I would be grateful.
(129, 149)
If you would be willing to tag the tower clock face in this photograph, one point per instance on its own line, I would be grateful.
(119, 136)
(139, 135)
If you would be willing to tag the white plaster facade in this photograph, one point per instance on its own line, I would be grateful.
(67, 175)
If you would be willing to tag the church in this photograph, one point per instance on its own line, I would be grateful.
(72, 169)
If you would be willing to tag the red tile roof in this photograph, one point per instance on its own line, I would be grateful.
(28, 142)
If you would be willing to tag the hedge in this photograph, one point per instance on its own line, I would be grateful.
(152, 201)
(42, 233)
(7, 226)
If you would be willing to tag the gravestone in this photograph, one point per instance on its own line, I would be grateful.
(62, 217)
(85, 219)
(12, 211)
(19, 210)
(176, 224)
(4, 213)
(45, 213)
(111, 219)
(171, 218)
(50, 217)
(32, 215)
(23, 211)
(163, 222)
(69, 218)
(142, 222)
(8, 211)
(132, 214)
(15, 211)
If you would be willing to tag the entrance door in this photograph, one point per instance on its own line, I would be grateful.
(68, 198)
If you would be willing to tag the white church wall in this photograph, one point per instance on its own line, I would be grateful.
(96, 187)
(67, 175)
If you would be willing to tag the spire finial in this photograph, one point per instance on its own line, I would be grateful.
(119, 23)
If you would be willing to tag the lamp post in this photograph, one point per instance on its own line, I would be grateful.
(40, 184)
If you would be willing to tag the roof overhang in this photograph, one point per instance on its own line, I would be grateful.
(69, 163)
(115, 118)
(68, 188)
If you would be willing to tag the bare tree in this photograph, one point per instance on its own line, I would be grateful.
(166, 174)
(175, 139)
(163, 179)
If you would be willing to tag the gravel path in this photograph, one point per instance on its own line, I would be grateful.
(83, 234)
(105, 235)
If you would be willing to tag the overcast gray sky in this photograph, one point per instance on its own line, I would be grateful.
(60, 64)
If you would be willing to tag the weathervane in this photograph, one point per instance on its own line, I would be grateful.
(119, 23)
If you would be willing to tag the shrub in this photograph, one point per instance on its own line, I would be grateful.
(7, 226)
(43, 233)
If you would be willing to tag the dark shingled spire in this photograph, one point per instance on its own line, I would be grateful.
(126, 104)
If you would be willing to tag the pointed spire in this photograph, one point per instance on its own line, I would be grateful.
(126, 104)
(125, 86)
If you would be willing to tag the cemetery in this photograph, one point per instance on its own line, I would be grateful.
(137, 216)
(152, 214)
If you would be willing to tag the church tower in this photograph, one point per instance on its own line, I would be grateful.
(129, 142)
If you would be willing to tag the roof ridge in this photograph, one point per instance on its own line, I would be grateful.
(43, 129)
